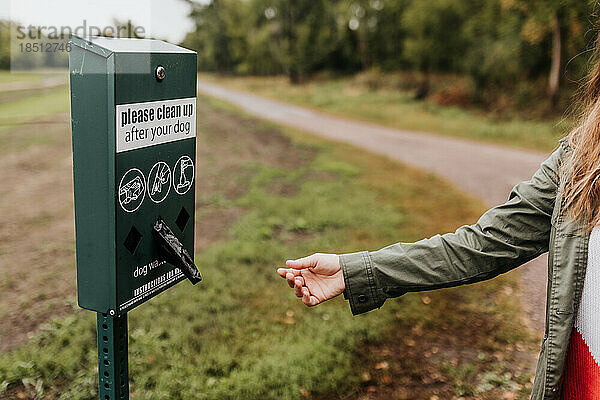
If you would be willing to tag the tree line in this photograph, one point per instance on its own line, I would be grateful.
(494, 42)
(18, 51)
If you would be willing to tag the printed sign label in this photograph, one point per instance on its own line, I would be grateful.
(146, 124)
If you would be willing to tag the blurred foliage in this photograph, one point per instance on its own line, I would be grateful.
(4, 44)
(17, 53)
(495, 42)
(29, 47)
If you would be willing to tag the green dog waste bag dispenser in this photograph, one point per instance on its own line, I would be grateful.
(133, 112)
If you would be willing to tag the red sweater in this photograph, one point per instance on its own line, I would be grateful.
(582, 368)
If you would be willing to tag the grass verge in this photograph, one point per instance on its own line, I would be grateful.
(37, 104)
(242, 334)
(11, 77)
(397, 108)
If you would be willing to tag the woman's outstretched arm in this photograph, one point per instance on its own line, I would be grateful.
(504, 238)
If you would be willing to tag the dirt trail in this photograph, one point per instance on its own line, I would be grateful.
(36, 229)
(483, 170)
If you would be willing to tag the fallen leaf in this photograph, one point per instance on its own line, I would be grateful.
(508, 396)
(417, 329)
(382, 365)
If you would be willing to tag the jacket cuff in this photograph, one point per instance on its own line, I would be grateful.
(361, 289)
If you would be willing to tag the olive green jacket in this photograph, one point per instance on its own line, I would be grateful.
(530, 223)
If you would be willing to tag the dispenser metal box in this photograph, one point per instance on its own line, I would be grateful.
(133, 111)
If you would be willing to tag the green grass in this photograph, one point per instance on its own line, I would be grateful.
(16, 130)
(37, 105)
(30, 77)
(8, 76)
(241, 334)
(351, 97)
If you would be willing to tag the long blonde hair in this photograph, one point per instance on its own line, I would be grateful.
(582, 188)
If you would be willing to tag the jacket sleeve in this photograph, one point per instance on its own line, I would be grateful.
(504, 238)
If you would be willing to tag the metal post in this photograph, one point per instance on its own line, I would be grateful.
(113, 379)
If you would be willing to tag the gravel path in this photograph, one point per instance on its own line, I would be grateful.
(483, 170)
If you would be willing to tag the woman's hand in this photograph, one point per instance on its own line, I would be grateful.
(314, 278)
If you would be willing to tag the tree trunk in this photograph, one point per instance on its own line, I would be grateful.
(554, 77)
(294, 67)
(423, 88)
(363, 48)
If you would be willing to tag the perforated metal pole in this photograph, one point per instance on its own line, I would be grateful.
(113, 379)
